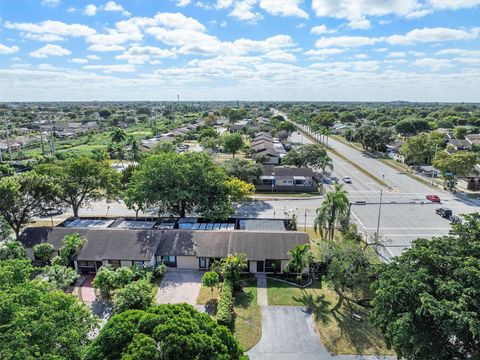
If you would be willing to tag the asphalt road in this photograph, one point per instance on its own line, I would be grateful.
(405, 213)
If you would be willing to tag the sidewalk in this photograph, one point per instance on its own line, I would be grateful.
(262, 296)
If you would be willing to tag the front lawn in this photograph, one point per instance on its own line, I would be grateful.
(339, 332)
(248, 317)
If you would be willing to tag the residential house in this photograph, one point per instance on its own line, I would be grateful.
(472, 181)
(454, 145)
(286, 179)
(266, 251)
(393, 151)
(473, 139)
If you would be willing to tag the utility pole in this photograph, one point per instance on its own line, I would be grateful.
(7, 133)
(41, 135)
(52, 145)
(434, 156)
(379, 212)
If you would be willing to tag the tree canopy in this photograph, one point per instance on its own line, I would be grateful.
(243, 169)
(181, 184)
(427, 300)
(82, 180)
(232, 143)
(23, 196)
(164, 332)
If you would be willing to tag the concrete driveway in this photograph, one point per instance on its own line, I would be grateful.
(289, 333)
(179, 286)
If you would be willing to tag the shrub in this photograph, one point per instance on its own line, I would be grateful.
(210, 279)
(43, 252)
(225, 305)
(137, 295)
(158, 271)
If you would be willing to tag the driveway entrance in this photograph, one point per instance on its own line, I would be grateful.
(180, 286)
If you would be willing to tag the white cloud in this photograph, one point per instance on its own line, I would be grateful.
(50, 50)
(360, 24)
(108, 69)
(453, 4)
(52, 3)
(42, 37)
(459, 52)
(71, 9)
(4, 49)
(105, 48)
(243, 10)
(142, 54)
(182, 3)
(324, 52)
(53, 28)
(397, 54)
(345, 41)
(90, 10)
(284, 8)
(357, 11)
(223, 4)
(113, 6)
(93, 57)
(426, 35)
(78, 61)
(321, 29)
(360, 56)
(435, 64)
(280, 55)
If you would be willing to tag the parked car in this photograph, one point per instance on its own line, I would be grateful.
(347, 180)
(433, 198)
(455, 219)
(50, 211)
(444, 212)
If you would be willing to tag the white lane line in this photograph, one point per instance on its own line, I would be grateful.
(359, 221)
(408, 235)
(408, 228)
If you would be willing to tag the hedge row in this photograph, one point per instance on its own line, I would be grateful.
(225, 305)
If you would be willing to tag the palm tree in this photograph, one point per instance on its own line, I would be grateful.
(299, 259)
(323, 163)
(325, 132)
(134, 149)
(335, 208)
(118, 135)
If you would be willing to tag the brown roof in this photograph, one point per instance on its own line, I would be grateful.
(128, 244)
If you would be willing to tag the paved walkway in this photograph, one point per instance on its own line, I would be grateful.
(289, 333)
(179, 286)
(262, 297)
(88, 292)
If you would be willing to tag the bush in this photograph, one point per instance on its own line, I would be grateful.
(137, 295)
(225, 305)
(43, 251)
(158, 272)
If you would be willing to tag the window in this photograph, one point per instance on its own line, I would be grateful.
(88, 264)
(202, 262)
(272, 266)
(299, 182)
(115, 263)
(169, 260)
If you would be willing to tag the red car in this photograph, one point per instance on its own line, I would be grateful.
(433, 198)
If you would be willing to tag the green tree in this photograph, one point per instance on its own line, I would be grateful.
(43, 252)
(299, 259)
(243, 169)
(373, 137)
(176, 331)
(180, 184)
(334, 209)
(60, 276)
(456, 165)
(232, 265)
(5, 230)
(134, 151)
(427, 299)
(23, 196)
(136, 295)
(37, 322)
(460, 131)
(99, 155)
(419, 149)
(6, 170)
(72, 244)
(232, 143)
(322, 120)
(105, 281)
(10, 250)
(314, 155)
(82, 180)
(14, 272)
(210, 279)
(117, 135)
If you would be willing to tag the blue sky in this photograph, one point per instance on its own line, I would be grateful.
(361, 50)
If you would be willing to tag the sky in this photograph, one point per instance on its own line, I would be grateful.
(292, 50)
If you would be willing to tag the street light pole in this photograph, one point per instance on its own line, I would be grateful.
(379, 211)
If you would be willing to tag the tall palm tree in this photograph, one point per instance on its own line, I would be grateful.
(134, 149)
(324, 162)
(335, 208)
(117, 135)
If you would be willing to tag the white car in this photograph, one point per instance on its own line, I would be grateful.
(347, 180)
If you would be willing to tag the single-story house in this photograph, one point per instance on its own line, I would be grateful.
(184, 249)
(473, 139)
(393, 151)
(459, 144)
(272, 156)
(472, 181)
(286, 178)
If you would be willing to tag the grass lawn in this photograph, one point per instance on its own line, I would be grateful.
(248, 317)
(333, 316)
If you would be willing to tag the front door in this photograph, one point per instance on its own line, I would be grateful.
(260, 266)
(202, 262)
(98, 264)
